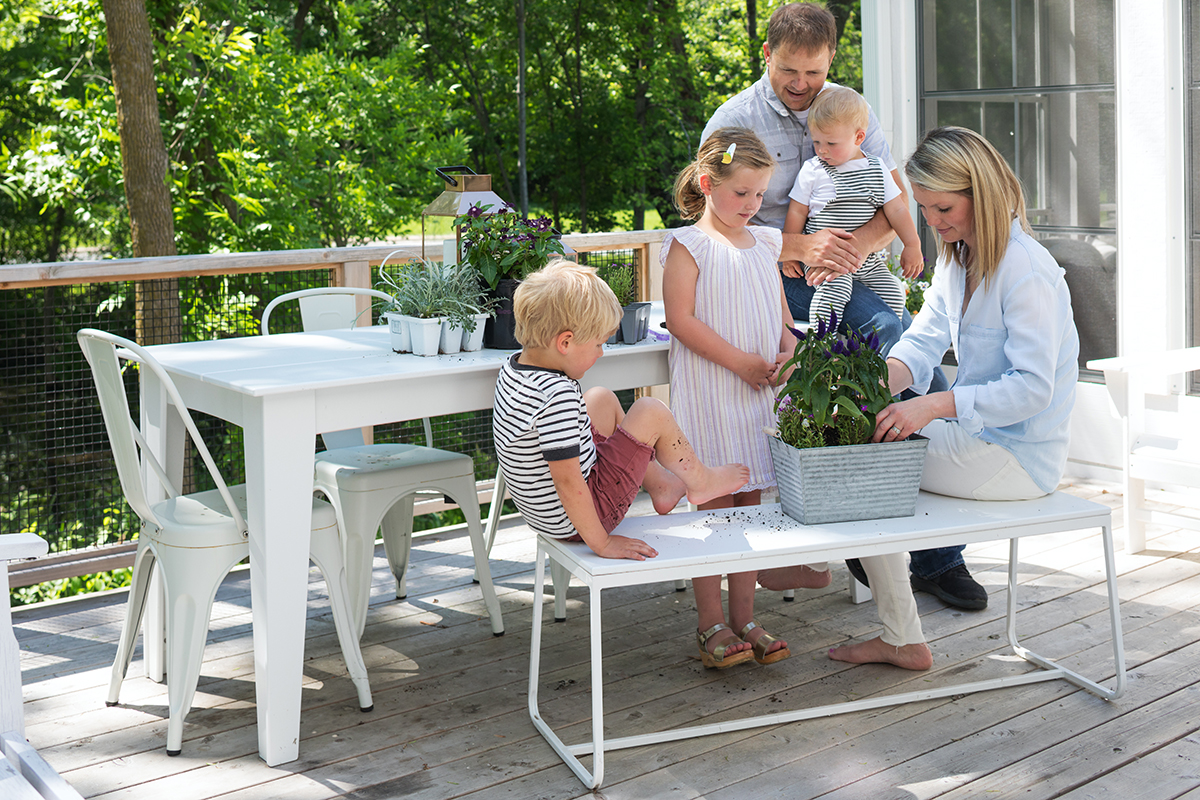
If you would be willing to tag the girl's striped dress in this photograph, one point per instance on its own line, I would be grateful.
(738, 295)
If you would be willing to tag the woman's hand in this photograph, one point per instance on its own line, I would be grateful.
(899, 420)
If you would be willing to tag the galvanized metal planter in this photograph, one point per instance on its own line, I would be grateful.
(860, 481)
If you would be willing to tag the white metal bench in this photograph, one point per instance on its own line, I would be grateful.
(758, 537)
(23, 773)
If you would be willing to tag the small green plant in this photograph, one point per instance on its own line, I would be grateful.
(835, 390)
(619, 278)
(505, 245)
(426, 289)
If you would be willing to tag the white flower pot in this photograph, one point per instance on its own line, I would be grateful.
(451, 340)
(473, 340)
(425, 335)
(398, 328)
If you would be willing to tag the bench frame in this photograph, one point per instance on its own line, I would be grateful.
(684, 552)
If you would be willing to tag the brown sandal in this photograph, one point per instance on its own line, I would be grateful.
(716, 659)
(764, 641)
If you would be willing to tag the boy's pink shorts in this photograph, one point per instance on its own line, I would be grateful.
(621, 463)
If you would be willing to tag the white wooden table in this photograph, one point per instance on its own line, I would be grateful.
(285, 389)
(759, 537)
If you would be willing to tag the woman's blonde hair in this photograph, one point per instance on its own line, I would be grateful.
(748, 152)
(564, 296)
(953, 159)
(839, 105)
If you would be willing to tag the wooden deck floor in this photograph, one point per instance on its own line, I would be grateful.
(450, 718)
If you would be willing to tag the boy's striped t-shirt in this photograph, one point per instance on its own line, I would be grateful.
(540, 416)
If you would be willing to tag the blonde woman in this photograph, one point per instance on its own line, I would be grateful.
(1001, 301)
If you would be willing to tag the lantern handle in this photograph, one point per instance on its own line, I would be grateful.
(441, 171)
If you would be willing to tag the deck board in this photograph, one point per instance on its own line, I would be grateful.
(450, 717)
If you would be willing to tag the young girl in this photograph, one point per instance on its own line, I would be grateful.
(729, 335)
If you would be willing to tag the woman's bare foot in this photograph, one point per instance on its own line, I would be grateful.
(876, 651)
(781, 579)
(713, 482)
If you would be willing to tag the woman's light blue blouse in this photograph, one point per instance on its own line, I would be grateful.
(1017, 352)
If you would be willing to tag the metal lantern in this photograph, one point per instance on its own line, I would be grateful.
(467, 190)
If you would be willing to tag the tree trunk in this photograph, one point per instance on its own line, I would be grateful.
(143, 164)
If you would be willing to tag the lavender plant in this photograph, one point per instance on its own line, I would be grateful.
(835, 390)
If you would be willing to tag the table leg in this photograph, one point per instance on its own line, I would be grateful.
(280, 435)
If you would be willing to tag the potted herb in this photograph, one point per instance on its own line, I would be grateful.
(503, 248)
(397, 312)
(635, 322)
(825, 464)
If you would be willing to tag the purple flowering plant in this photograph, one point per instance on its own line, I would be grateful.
(504, 244)
(836, 387)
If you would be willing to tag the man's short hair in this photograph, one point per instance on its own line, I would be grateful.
(807, 27)
(564, 296)
(839, 105)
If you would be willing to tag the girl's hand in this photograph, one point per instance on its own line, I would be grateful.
(781, 376)
(756, 371)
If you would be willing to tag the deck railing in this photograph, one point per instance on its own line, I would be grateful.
(56, 474)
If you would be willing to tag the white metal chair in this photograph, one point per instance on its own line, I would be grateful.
(373, 485)
(1161, 440)
(195, 539)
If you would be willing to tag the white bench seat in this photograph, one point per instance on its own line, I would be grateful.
(759, 537)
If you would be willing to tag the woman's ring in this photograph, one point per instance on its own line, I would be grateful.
(896, 430)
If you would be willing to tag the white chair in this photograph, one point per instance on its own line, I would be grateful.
(1161, 440)
(195, 539)
(373, 486)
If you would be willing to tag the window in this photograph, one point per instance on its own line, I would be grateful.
(1036, 78)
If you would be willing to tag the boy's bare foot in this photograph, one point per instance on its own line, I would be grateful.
(718, 482)
(876, 651)
(781, 579)
(665, 489)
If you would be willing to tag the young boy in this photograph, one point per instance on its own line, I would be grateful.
(574, 462)
(840, 187)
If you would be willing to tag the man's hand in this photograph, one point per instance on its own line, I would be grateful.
(624, 547)
(832, 249)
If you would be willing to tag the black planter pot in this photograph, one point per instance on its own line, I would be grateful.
(500, 331)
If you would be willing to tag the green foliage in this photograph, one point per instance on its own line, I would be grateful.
(619, 278)
(425, 289)
(914, 288)
(505, 245)
(835, 390)
(70, 587)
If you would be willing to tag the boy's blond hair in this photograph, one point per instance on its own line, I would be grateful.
(564, 296)
(839, 105)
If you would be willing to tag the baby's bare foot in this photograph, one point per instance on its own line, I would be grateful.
(717, 482)
(781, 579)
(876, 651)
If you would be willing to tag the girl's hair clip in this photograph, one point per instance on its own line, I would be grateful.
(727, 156)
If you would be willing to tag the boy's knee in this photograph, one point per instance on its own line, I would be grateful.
(650, 405)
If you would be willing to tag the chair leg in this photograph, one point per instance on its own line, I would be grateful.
(397, 540)
(143, 569)
(326, 552)
(358, 521)
(465, 489)
(191, 584)
(561, 578)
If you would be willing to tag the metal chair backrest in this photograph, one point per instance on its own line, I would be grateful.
(100, 350)
(324, 308)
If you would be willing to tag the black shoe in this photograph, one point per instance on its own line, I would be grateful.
(860, 574)
(954, 587)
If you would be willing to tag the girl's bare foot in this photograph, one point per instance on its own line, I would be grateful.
(781, 579)
(714, 482)
(876, 651)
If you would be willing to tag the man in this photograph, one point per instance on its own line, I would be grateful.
(800, 47)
